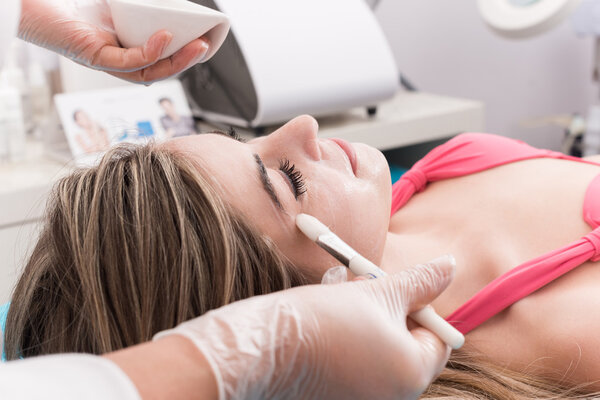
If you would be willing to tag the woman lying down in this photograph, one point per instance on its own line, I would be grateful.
(159, 234)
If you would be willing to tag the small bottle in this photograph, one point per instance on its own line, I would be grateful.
(591, 138)
(14, 93)
(11, 121)
(40, 98)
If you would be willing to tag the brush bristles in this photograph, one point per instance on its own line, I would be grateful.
(310, 226)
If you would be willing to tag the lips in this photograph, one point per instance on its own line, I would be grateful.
(349, 150)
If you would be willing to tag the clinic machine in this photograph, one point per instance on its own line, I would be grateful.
(285, 58)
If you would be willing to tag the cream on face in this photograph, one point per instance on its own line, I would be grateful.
(271, 179)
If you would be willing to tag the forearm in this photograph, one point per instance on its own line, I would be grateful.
(169, 368)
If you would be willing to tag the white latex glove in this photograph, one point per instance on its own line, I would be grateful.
(82, 30)
(346, 341)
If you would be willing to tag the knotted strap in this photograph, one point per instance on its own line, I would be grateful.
(462, 155)
(418, 178)
(594, 239)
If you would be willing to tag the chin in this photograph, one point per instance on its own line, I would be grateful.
(372, 163)
(383, 181)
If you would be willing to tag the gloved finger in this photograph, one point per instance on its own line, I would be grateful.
(433, 354)
(185, 58)
(425, 282)
(340, 274)
(334, 275)
(117, 59)
(412, 289)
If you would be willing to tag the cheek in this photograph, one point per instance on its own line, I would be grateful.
(309, 258)
(304, 254)
(358, 211)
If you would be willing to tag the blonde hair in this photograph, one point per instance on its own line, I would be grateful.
(131, 247)
(142, 242)
(469, 375)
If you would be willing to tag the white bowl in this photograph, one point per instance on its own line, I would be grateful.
(136, 20)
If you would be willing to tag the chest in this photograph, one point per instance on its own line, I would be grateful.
(491, 221)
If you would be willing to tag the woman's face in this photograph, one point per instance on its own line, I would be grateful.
(351, 197)
(83, 120)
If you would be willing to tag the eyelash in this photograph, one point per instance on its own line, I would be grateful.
(232, 133)
(289, 169)
(294, 175)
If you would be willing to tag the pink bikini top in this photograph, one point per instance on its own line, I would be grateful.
(473, 152)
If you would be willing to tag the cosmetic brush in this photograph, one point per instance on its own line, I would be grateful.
(319, 233)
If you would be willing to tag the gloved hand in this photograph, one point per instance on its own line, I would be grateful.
(326, 341)
(82, 30)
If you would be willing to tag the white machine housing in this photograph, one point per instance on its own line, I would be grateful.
(289, 57)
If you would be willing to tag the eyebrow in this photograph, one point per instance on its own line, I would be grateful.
(262, 171)
(266, 182)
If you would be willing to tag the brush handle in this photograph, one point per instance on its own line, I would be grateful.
(426, 317)
(363, 267)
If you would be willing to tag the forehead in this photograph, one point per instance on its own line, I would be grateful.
(201, 146)
(231, 168)
(222, 160)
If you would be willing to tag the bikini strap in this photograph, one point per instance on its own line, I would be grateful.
(417, 177)
(594, 238)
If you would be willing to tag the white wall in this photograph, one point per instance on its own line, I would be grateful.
(444, 47)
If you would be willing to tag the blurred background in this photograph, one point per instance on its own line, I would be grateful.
(457, 73)
(446, 47)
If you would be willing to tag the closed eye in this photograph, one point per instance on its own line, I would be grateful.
(294, 176)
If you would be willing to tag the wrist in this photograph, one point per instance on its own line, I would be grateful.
(171, 367)
(28, 28)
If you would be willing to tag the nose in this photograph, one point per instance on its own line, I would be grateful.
(300, 134)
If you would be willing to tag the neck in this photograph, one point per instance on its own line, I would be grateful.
(394, 258)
